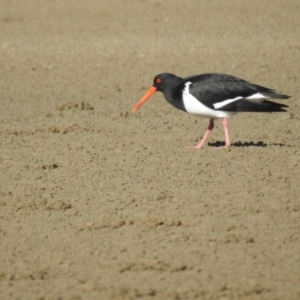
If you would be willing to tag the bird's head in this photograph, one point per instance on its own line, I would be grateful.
(161, 83)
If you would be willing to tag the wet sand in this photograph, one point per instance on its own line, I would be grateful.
(97, 202)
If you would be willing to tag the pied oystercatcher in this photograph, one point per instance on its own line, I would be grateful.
(212, 96)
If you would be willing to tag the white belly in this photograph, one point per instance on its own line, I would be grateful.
(195, 107)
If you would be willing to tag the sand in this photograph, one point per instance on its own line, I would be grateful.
(97, 202)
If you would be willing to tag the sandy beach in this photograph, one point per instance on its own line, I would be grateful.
(98, 202)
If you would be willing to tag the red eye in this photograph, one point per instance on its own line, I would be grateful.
(158, 80)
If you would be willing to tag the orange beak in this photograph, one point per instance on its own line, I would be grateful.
(149, 93)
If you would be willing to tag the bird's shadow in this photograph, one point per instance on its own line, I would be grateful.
(246, 144)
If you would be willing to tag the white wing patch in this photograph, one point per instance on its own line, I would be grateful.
(195, 107)
(256, 96)
(225, 102)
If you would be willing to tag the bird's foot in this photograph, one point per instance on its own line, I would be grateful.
(194, 147)
(223, 147)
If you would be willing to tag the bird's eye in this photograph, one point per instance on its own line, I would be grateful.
(158, 80)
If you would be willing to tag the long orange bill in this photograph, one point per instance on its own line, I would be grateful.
(150, 92)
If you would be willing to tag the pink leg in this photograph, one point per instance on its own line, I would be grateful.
(206, 135)
(226, 131)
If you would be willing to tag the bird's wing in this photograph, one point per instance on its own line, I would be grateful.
(217, 91)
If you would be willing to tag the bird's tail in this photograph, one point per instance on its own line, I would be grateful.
(273, 95)
(262, 106)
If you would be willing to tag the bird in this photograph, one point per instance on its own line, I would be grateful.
(214, 96)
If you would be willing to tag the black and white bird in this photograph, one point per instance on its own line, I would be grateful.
(212, 96)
